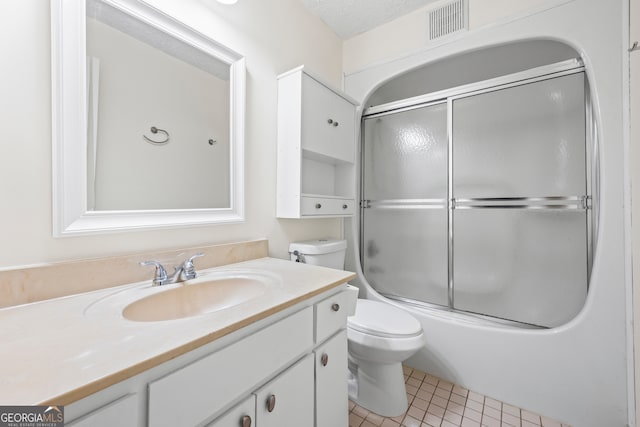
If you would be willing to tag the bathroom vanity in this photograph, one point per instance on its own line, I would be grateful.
(277, 359)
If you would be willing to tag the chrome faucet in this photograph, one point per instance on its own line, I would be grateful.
(185, 271)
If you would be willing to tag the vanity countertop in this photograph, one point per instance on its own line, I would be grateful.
(59, 351)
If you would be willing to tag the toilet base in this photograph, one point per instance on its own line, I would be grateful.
(380, 388)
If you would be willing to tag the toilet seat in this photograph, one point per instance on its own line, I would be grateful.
(383, 320)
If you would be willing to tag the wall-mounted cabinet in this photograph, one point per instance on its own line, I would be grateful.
(316, 148)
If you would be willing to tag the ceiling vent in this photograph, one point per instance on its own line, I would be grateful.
(448, 19)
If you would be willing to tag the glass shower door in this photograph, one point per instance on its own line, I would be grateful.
(404, 220)
(519, 190)
(481, 202)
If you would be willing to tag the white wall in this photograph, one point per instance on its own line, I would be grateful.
(408, 34)
(634, 167)
(274, 36)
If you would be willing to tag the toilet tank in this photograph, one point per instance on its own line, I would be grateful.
(324, 252)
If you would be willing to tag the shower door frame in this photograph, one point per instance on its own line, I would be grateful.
(587, 202)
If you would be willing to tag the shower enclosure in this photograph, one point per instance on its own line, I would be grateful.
(478, 198)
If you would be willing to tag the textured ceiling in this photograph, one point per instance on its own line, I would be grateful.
(348, 18)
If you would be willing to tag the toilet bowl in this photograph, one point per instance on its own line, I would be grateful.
(380, 337)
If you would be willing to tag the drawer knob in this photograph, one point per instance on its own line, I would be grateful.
(245, 421)
(335, 306)
(318, 205)
(330, 121)
(271, 403)
(324, 359)
(344, 206)
(335, 124)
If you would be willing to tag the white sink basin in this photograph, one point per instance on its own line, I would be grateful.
(210, 293)
(195, 299)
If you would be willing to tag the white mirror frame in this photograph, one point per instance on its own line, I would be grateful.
(69, 126)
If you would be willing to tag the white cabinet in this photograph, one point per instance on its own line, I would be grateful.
(288, 399)
(316, 148)
(122, 412)
(274, 374)
(331, 389)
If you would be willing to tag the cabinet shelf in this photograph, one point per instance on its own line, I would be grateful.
(319, 157)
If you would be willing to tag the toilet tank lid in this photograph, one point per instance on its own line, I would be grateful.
(318, 246)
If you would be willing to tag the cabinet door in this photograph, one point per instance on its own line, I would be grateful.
(328, 122)
(198, 391)
(331, 382)
(122, 412)
(287, 400)
(241, 415)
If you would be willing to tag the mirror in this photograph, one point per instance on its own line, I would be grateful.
(148, 119)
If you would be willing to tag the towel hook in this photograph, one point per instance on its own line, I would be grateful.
(155, 130)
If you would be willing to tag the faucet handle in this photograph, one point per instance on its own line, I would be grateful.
(189, 270)
(160, 275)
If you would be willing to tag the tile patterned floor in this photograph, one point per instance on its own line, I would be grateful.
(437, 403)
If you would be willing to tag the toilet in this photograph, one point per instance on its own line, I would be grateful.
(380, 337)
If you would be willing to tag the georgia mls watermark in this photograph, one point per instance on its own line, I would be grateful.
(31, 416)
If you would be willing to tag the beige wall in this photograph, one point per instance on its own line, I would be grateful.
(408, 34)
(274, 36)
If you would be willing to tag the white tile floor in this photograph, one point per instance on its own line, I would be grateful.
(437, 403)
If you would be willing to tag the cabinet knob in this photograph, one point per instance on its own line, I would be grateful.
(245, 421)
(318, 205)
(271, 403)
(330, 121)
(335, 124)
(344, 206)
(335, 306)
(324, 359)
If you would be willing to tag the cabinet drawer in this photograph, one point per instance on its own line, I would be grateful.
(198, 391)
(326, 206)
(328, 121)
(331, 315)
(122, 412)
(288, 400)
